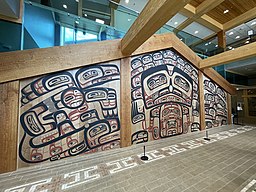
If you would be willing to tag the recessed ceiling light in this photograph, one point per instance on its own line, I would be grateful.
(226, 11)
(247, 42)
(129, 20)
(99, 21)
(175, 23)
(206, 44)
(77, 22)
(233, 49)
(181, 39)
(126, 1)
(237, 37)
(196, 32)
(231, 33)
(85, 15)
(65, 6)
(210, 43)
(77, 1)
(253, 23)
(216, 45)
(230, 47)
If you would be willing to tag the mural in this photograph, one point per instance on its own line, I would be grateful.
(215, 104)
(70, 113)
(164, 96)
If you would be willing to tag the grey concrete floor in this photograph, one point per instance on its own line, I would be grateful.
(182, 163)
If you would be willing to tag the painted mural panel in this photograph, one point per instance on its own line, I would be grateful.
(69, 113)
(165, 100)
(215, 104)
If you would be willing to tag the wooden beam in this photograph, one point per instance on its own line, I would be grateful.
(237, 54)
(211, 23)
(222, 39)
(155, 14)
(247, 16)
(217, 78)
(9, 102)
(199, 11)
(207, 6)
(29, 63)
(189, 11)
(125, 102)
(229, 106)
(201, 100)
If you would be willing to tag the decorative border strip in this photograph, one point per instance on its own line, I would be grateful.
(248, 187)
(75, 178)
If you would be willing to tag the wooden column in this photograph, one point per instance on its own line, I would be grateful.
(222, 39)
(201, 100)
(125, 102)
(229, 106)
(9, 110)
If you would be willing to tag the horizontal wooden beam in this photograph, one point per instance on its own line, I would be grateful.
(190, 11)
(217, 78)
(29, 63)
(154, 15)
(237, 54)
(207, 6)
(198, 11)
(247, 16)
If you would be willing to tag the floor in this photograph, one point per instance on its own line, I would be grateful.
(182, 163)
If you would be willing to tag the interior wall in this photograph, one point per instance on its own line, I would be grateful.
(69, 113)
(165, 97)
(216, 110)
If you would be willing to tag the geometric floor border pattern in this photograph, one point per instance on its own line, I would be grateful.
(85, 175)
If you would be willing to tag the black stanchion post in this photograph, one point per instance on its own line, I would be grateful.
(206, 136)
(144, 157)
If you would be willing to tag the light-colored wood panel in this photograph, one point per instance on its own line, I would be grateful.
(247, 16)
(240, 53)
(201, 100)
(236, 9)
(9, 102)
(229, 106)
(29, 63)
(206, 6)
(154, 15)
(125, 102)
(217, 78)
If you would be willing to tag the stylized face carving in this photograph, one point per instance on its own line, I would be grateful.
(72, 98)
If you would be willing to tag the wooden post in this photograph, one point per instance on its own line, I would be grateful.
(201, 100)
(9, 102)
(229, 106)
(222, 39)
(125, 102)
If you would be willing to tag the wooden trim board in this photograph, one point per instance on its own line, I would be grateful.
(9, 101)
(125, 103)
